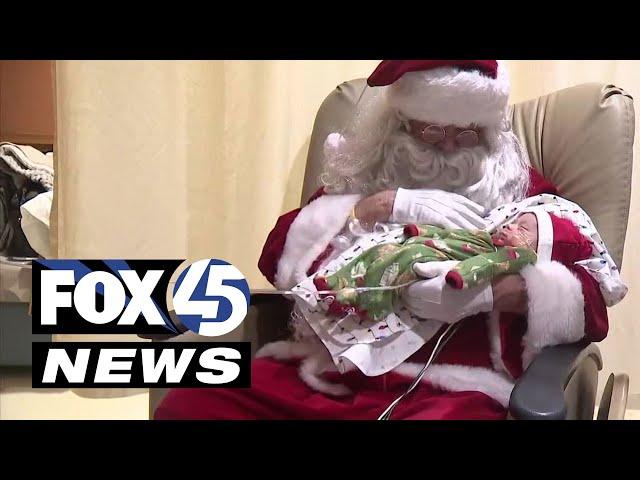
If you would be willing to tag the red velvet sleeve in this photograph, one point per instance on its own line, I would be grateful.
(596, 320)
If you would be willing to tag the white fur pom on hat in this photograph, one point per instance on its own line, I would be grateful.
(446, 92)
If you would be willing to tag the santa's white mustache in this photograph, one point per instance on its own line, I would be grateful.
(410, 163)
(488, 176)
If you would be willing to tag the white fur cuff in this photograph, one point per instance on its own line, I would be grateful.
(310, 234)
(555, 310)
(461, 378)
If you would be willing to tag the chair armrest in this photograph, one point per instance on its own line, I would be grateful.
(266, 321)
(268, 299)
(165, 336)
(271, 319)
(542, 392)
(272, 313)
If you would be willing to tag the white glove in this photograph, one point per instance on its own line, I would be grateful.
(438, 208)
(433, 299)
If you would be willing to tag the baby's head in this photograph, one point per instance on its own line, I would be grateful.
(521, 233)
(550, 236)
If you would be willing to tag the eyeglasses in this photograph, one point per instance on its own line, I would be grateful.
(434, 134)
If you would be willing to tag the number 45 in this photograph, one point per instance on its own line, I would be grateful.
(207, 309)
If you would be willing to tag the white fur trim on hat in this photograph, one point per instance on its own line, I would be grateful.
(449, 96)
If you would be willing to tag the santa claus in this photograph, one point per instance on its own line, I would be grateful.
(431, 145)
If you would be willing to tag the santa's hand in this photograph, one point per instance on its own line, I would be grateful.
(438, 208)
(433, 299)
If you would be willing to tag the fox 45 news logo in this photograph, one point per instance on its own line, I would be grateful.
(210, 297)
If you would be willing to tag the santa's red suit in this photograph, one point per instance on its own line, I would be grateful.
(472, 376)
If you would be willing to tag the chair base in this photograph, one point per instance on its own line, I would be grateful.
(613, 404)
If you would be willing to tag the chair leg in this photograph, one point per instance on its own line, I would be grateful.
(613, 404)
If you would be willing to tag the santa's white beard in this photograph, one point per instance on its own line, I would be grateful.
(407, 163)
(489, 178)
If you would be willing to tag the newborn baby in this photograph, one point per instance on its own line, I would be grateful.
(371, 283)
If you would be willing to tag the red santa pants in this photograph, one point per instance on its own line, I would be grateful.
(278, 393)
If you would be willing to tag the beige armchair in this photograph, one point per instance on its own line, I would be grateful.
(581, 139)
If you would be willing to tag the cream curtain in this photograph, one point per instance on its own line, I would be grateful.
(181, 159)
(196, 159)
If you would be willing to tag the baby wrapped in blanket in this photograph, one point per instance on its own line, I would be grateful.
(482, 257)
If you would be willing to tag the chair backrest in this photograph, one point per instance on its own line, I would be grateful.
(579, 138)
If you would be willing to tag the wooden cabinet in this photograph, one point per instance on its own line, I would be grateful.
(27, 102)
(26, 118)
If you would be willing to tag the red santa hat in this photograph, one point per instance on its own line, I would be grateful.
(446, 92)
(559, 239)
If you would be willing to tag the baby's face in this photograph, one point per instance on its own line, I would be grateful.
(521, 233)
